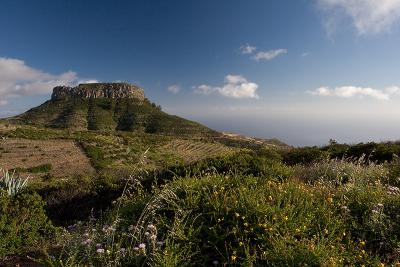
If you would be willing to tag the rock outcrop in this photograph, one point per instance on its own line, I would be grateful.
(98, 90)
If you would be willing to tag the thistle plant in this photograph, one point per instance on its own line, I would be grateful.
(11, 183)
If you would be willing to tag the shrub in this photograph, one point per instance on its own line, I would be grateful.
(23, 223)
(214, 219)
(338, 172)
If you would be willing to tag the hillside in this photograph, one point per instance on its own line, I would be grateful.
(108, 126)
(105, 107)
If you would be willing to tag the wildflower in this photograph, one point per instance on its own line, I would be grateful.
(151, 227)
(87, 242)
(233, 257)
(147, 234)
(160, 243)
(329, 199)
(393, 190)
(286, 218)
(153, 237)
(362, 243)
(237, 215)
(100, 250)
(108, 252)
(240, 243)
(142, 246)
(135, 248)
(122, 250)
(246, 224)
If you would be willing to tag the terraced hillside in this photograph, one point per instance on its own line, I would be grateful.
(44, 158)
(191, 151)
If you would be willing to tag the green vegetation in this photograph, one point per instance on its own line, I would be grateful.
(108, 115)
(10, 183)
(170, 192)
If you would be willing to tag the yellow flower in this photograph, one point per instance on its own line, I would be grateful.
(240, 243)
(246, 224)
(233, 257)
(381, 265)
(237, 215)
(362, 243)
(329, 199)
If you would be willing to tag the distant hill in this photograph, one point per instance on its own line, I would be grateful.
(107, 106)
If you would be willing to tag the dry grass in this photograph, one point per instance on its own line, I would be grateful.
(65, 157)
(190, 150)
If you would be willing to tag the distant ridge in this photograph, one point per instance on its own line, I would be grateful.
(107, 107)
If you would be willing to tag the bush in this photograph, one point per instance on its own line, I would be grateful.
(23, 223)
(339, 172)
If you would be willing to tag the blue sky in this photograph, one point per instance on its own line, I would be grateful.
(302, 71)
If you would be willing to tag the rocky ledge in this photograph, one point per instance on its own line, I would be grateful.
(98, 90)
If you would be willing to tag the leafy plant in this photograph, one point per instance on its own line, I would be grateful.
(11, 183)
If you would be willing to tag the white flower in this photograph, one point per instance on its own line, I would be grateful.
(100, 250)
(142, 246)
(87, 242)
(160, 243)
(147, 234)
(151, 227)
(153, 237)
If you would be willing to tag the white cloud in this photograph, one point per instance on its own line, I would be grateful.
(235, 86)
(88, 81)
(368, 16)
(18, 79)
(353, 91)
(269, 55)
(248, 49)
(174, 89)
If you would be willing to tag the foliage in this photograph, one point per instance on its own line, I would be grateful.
(24, 225)
(11, 183)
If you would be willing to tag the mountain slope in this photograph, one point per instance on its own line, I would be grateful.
(78, 110)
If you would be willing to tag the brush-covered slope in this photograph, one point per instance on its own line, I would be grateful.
(108, 106)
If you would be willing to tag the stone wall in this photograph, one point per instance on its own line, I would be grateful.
(98, 90)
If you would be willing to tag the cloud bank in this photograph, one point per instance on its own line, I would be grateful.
(367, 16)
(354, 91)
(235, 86)
(18, 79)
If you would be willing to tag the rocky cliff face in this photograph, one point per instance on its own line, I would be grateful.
(98, 90)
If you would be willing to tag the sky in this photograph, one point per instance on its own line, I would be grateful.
(302, 71)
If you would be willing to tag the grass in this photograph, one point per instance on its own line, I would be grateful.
(262, 213)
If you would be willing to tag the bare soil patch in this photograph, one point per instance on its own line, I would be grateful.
(65, 157)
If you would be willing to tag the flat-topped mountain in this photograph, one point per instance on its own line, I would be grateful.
(98, 90)
(107, 106)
